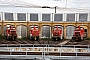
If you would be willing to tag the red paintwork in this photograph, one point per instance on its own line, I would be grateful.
(57, 31)
(34, 31)
(11, 31)
(79, 31)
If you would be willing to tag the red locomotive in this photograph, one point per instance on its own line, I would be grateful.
(78, 34)
(11, 33)
(34, 33)
(56, 33)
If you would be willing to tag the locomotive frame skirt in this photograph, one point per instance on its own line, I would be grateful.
(11, 37)
(56, 38)
(34, 38)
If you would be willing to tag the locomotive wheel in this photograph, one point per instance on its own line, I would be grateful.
(35, 38)
(79, 38)
(59, 38)
(53, 38)
(13, 38)
(56, 38)
(83, 38)
(7, 37)
(32, 38)
(74, 38)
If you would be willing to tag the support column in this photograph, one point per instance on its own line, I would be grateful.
(88, 35)
(2, 26)
(27, 29)
(64, 33)
(14, 14)
(40, 28)
(51, 29)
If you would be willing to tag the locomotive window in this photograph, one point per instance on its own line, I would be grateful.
(33, 17)
(45, 17)
(21, 16)
(70, 17)
(58, 17)
(33, 27)
(9, 16)
(58, 27)
(83, 17)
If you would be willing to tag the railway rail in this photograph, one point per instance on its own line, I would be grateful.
(44, 51)
(30, 42)
(61, 42)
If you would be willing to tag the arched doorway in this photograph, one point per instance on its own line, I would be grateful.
(21, 31)
(69, 32)
(46, 30)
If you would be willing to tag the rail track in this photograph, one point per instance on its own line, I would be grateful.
(61, 42)
(31, 42)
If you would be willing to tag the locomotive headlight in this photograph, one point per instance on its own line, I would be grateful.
(77, 28)
(81, 28)
(8, 28)
(13, 28)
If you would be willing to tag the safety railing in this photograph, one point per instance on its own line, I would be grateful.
(44, 51)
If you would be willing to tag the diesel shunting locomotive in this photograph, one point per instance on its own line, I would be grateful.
(10, 33)
(34, 33)
(78, 34)
(56, 33)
